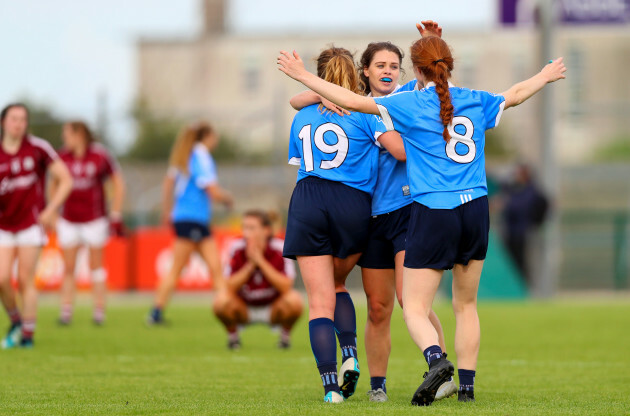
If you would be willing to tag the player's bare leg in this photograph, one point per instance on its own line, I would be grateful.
(318, 274)
(68, 285)
(345, 326)
(379, 286)
(27, 262)
(99, 284)
(467, 329)
(419, 289)
(231, 310)
(210, 254)
(285, 311)
(182, 249)
(7, 295)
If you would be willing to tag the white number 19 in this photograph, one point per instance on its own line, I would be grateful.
(340, 148)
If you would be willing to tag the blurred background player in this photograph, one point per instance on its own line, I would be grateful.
(190, 188)
(25, 161)
(382, 262)
(449, 220)
(525, 208)
(259, 282)
(329, 217)
(84, 219)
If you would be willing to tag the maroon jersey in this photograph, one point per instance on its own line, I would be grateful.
(22, 183)
(87, 199)
(257, 291)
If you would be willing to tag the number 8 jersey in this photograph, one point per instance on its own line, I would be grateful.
(443, 175)
(337, 148)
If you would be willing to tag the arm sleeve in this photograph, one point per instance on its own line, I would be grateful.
(295, 155)
(110, 164)
(396, 110)
(203, 169)
(493, 105)
(48, 154)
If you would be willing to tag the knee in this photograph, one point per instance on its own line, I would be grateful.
(464, 305)
(221, 303)
(291, 303)
(379, 311)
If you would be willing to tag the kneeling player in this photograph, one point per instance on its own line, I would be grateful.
(259, 285)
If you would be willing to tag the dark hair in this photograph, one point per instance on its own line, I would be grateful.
(266, 218)
(83, 129)
(433, 58)
(368, 55)
(6, 110)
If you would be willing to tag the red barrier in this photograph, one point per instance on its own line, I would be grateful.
(50, 268)
(137, 262)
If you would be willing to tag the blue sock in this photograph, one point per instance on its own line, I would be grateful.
(156, 314)
(432, 353)
(324, 346)
(346, 326)
(378, 383)
(466, 380)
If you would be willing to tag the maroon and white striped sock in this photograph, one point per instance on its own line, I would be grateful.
(28, 328)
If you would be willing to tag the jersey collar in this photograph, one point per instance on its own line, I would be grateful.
(432, 84)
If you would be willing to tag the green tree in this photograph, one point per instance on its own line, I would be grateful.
(155, 136)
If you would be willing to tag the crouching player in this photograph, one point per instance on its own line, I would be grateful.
(259, 286)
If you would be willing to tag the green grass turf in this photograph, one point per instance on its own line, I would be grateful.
(561, 358)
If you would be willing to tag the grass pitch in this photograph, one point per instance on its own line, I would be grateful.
(560, 358)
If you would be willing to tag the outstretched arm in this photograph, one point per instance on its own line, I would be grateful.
(292, 65)
(522, 91)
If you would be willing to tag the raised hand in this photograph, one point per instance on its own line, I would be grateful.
(291, 64)
(430, 28)
(554, 70)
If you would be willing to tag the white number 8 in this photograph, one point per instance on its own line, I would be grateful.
(340, 148)
(465, 139)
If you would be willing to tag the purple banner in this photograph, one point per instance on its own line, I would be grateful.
(593, 11)
(583, 12)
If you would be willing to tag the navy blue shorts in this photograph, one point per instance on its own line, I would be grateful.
(326, 217)
(388, 233)
(441, 238)
(191, 230)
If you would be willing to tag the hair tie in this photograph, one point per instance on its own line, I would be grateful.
(439, 60)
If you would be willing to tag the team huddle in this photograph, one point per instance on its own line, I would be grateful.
(392, 177)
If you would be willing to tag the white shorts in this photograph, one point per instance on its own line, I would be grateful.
(92, 233)
(31, 236)
(259, 314)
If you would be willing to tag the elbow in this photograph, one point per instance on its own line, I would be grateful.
(400, 156)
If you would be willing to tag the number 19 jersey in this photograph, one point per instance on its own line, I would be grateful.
(443, 175)
(337, 148)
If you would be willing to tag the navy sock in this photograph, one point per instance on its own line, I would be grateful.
(324, 346)
(156, 314)
(346, 325)
(432, 353)
(378, 383)
(466, 379)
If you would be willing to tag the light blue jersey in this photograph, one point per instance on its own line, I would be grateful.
(441, 175)
(336, 148)
(392, 186)
(192, 202)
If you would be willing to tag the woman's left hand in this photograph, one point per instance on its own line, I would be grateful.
(48, 218)
(291, 64)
